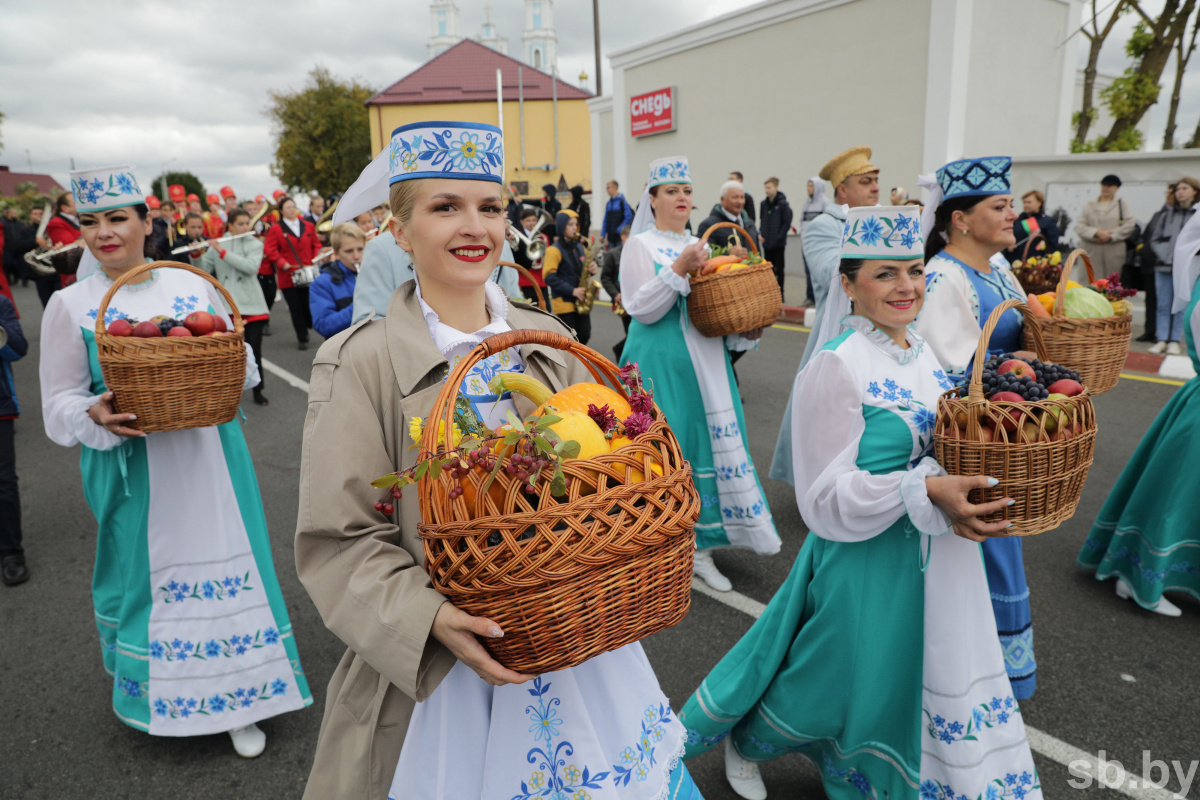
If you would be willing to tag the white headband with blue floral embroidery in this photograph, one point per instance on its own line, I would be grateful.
(461, 150)
(892, 233)
(105, 188)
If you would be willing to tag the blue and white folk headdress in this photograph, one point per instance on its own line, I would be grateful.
(891, 233)
(469, 151)
(105, 188)
(975, 177)
(673, 169)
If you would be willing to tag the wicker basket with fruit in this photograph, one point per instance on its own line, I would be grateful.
(174, 374)
(1038, 274)
(572, 528)
(1085, 329)
(734, 295)
(1031, 425)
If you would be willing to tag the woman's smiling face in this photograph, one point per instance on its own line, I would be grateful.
(116, 238)
(456, 231)
(889, 293)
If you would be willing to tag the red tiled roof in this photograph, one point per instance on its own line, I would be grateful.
(9, 181)
(467, 71)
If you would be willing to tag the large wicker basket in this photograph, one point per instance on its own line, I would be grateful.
(1036, 280)
(736, 300)
(541, 298)
(566, 578)
(1042, 470)
(173, 383)
(1097, 348)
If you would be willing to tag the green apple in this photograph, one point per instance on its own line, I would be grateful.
(1056, 416)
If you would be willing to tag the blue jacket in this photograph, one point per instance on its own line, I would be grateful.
(331, 299)
(16, 349)
(617, 214)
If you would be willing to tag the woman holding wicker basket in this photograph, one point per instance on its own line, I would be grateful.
(876, 659)
(692, 373)
(418, 708)
(193, 627)
(968, 222)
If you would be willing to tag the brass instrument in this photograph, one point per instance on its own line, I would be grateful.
(38, 259)
(200, 245)
(587, 281)
(535, 245)
(267, 207)
(325, 223)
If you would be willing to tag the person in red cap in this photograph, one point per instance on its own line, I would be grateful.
(230, 198)
(214, 225)
(193, 201)
(176, 193)
(154, 205)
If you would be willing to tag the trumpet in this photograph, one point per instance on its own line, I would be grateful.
(325, 223)
(587, 281)
(267, 207)
(187, 248)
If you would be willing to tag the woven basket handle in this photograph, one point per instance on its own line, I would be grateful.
(542, 304)
(128, 277)
(443, 407)
(1061, 294)
(975, 390)
(1029, 243)
(746, 234)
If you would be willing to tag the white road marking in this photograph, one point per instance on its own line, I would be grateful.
(286, 376)
(1055, 749)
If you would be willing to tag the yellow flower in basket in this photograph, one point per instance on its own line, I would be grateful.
(416, 428)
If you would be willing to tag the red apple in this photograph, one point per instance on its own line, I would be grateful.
(179, 330)
(199, 323)
(1065, 386)
(1014, 415)
(219, 324)
(121, 327)
(987, 433)
(148, 330)
(1018, 368)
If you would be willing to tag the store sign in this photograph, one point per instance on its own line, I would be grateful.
(652, 112)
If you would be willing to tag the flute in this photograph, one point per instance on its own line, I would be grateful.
(204, 243)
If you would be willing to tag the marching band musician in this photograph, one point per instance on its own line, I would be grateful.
(214, 222)
(290, 244)
(178, 197)
(528, 218)
(229, 197)
(366, 222)
(562, 268)
(62, 230)
(193, 203)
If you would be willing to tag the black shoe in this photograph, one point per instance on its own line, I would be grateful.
(260, 398)
(13, 570)
(303, 345)
(1147, 337)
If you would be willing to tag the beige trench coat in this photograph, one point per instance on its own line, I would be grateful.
(364, 570)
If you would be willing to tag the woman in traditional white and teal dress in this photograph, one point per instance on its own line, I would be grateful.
(194, 631)
(691, 373)
(968, 225)
(1147, 534)
(876, 659)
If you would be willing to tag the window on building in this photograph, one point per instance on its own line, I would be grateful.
(441, 20)
(537, 16)
(537, 58)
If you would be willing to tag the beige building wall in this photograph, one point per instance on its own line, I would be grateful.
(602, 157)
(574, 161)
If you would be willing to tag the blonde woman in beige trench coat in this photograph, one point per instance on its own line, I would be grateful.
(417, 709)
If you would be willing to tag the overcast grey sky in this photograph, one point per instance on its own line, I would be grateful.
(115, 81)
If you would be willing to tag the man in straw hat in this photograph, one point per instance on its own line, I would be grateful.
(855, 183)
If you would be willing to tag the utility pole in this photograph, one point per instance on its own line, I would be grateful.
(596, 40)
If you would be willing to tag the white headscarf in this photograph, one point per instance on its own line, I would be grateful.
(1186, 262)
(643, 220)
(929, 212)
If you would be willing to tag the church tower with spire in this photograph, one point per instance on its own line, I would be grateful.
(489, 36)
(539, 42)
(443, 15)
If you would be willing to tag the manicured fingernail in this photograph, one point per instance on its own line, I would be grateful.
(133, 416)
(1012, 502)
(993, 481)
(495, 632)
(1007, 525)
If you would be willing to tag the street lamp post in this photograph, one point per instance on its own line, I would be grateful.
(164, 176)
(596, 42)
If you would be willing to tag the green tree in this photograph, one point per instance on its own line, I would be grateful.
(1086, 116)
(27, 196)
(1130, 96)
(323, 139)
(191, 185)
(1183, 54)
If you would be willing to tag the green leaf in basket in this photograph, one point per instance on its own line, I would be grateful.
(487, 484)
(545, 421)
(558, 486)
(421, 470)
(386, 482)
(469, 443)
(568, 449)
(543, 445)
(512, 437)
(512, 419)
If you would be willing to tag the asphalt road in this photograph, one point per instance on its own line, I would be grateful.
(60, 739)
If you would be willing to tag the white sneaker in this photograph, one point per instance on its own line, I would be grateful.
(1158, 347)
(1164, 606)
(703, 566)
(249, 742)
(1173, 348)
(743, 776)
